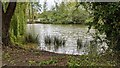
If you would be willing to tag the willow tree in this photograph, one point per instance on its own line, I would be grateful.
(18, 23)
(13, 21)
(6, 19)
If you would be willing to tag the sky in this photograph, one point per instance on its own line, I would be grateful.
(50, 3)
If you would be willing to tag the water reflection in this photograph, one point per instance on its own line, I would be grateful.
(68, 39)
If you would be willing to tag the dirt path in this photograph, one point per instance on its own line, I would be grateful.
(20, 57)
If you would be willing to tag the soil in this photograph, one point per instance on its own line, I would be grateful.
(17, 56)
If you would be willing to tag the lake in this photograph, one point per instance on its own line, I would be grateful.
(73, 38)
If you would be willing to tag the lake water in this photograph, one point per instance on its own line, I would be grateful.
(69, 33)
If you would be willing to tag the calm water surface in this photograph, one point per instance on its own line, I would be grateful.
(70, 33)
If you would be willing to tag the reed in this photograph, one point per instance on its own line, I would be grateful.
(55, 41)
(79, 43)
(29, 38)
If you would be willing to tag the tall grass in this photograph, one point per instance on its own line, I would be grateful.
(55, 41)
(79, 43)
(31, 38)
(48, 40)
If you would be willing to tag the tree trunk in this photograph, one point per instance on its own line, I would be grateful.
(6, 19)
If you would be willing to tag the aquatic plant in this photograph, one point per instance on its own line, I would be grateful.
(58, 42)
(54, 40)
(47, 40)
(29, 38)
(63, 42)
(79, 43)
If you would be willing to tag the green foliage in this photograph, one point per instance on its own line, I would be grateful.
(47, 62)
(6, 56)
(31, 62)
(18, 23)
(32, 11)
(42, 63)
(89, 60)
(65, 13)
(105, 17)
(5, 5)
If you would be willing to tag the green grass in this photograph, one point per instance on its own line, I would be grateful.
(47, 62)
(42, 63)
(89, 60)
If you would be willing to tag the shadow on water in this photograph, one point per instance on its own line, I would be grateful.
(54, 41)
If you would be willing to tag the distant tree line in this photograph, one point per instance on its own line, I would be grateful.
(64, 13)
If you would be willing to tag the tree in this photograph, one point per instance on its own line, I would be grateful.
(18, 23)
(65, 13)
(6, 19)
(105, 17)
